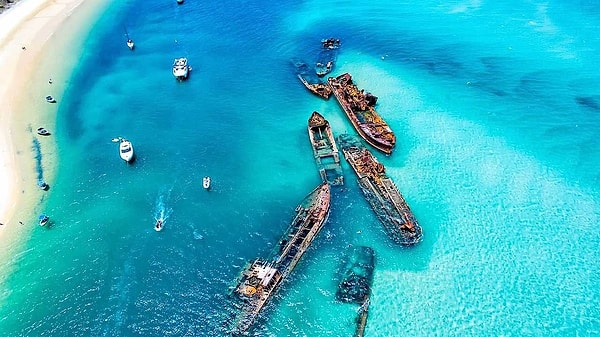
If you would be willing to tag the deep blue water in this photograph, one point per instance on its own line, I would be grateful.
(495, 107)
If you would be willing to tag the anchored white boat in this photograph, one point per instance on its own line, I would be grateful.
(126, 150)
(130, 44)
(206, 182)
(43, 132)
(181, 68)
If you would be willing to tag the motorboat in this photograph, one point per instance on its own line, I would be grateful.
(43, 185)
(206, 183)
(50, 99)
(181, 68)
(43, 132)
(179, 2)
(158, 226)
(126, 150)
(130, 44)
(43, 219)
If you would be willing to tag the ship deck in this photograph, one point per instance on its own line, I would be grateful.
(382, 194)
(359, 109)
(322, 90)
(325, 150)
(262, 278)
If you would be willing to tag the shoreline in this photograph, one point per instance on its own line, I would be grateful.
(36, 45)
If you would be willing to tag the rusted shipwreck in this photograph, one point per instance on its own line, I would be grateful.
(320, 89)
(359, 108)
(261, 278)
(325, 150)
(380, 191)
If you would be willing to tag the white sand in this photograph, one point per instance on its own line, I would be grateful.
(51, 35)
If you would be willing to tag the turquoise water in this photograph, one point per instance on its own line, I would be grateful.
(495, 107)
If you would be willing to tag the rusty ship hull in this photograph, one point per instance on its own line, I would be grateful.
(358, 107)
(325, 150)
(320, 89)
(262, 278)
(382, 194)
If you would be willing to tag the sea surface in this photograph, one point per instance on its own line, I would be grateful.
(496, 108)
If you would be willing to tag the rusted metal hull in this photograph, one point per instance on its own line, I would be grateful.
(262, 278)
(320, 89)
(358, 108)
(382, 194)
(325, 150)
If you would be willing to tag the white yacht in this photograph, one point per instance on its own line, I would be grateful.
(126, 150)
(181, 68)
(130, 44)
(206, 183)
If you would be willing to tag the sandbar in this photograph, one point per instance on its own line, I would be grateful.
(39, 45)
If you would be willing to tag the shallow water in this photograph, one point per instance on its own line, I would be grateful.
(495, 108)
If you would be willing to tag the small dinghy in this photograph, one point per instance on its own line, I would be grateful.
(43, 185)
(43, 132)
(206, 183)
(44, 219)
(158, 226)
(50, 99)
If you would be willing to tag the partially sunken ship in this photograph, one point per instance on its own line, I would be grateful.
(261, 278)
(320, 89)
(355, 284)
(381, 192)
(324, 149)
(359, 107)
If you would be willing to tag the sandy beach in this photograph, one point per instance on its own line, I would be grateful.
(36, 44)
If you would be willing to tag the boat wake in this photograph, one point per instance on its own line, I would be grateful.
(161, 211)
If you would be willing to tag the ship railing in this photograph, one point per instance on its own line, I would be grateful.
(393, 193)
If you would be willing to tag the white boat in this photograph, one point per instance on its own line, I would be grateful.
(158, 226)
(179, 2)
(130, 44)
(206, 182)
(43, 219)
(181, 68)
(126, 150)
(43, 132)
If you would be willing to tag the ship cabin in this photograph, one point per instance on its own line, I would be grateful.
(258, 280)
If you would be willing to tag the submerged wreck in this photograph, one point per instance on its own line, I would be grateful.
(325, 150)
(356, 282)
(310, 81)
(261, 278)
(359, 107)
(327, 56)
(380, 191)
(355, 285)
